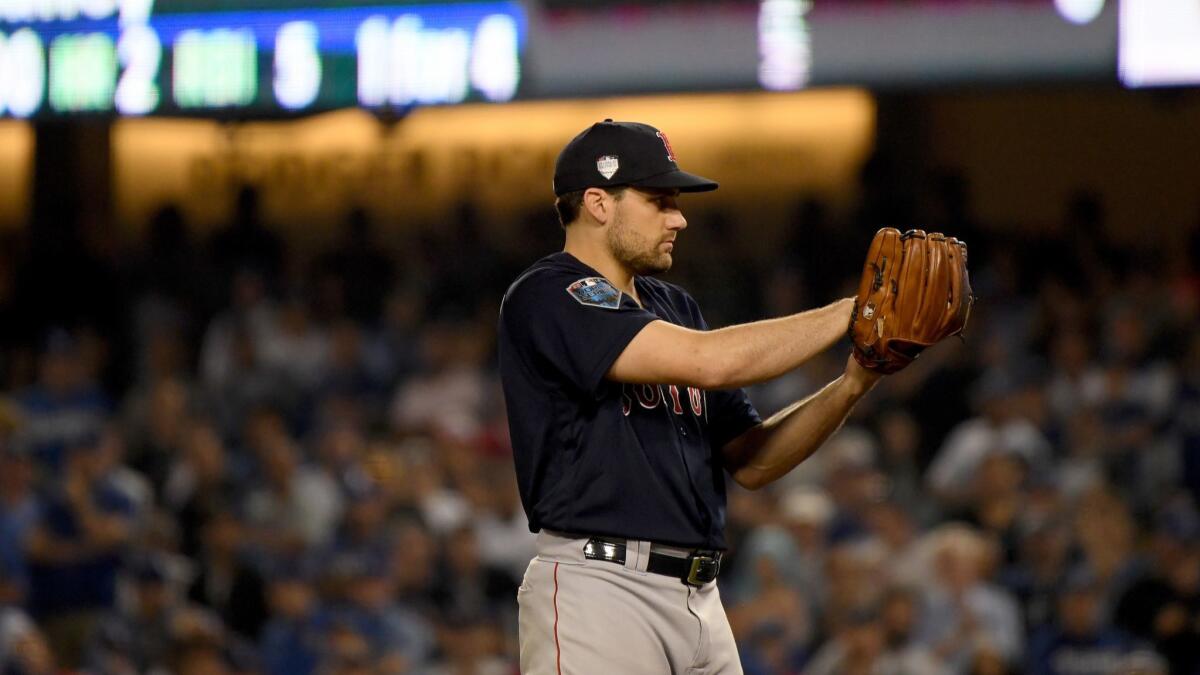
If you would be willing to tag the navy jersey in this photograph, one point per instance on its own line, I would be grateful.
(599, 457)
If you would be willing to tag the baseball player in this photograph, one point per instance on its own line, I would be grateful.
(626, 415)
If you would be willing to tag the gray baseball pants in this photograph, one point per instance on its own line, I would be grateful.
(579, 616)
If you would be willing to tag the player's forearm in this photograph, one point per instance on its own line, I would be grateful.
(728, 358)
(770, 450)
(760, 351)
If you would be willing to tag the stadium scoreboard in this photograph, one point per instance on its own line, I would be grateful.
(270, 58)
(275, 58)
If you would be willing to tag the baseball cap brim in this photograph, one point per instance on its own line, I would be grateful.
(680, 180)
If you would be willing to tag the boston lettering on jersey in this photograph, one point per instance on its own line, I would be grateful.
(599, 457)
(650, 395)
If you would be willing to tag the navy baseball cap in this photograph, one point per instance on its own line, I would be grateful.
(615, 154)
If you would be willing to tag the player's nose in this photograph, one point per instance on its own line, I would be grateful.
(676, 221)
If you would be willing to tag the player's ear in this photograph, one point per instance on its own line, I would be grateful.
(598, 204)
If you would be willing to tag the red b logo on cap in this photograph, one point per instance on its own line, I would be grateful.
(667, 144)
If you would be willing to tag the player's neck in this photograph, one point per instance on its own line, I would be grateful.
(602, 261)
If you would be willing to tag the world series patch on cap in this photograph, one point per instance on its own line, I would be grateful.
(615, 154)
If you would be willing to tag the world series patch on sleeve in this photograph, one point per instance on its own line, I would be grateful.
(595, 291)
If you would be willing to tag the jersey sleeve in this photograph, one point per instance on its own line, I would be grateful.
(730, 412)
(571, 324)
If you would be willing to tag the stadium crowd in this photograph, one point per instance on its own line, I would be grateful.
(218, 455)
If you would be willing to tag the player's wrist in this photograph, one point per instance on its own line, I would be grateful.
(858, 380)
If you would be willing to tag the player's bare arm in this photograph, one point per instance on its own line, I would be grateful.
(768, 451)
(730, 357)
(927, 282)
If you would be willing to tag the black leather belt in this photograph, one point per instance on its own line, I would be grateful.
(697, 569)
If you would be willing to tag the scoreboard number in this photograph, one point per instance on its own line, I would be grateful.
(22, 73)
(297, 65)
(140, 53)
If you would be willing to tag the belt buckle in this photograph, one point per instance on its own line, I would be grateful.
(702, 569)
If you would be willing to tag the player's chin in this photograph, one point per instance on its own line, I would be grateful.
(650, 265)
(662, 264)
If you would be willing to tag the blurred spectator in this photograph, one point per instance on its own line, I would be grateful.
(845, 469)
(1163, 606)
(795, 548)
(236, 377)
(893, 530)
(291, 640)
(1142, 662)
(1104, 531)
(396, 350)
(246, 243)
(472, 648)
(361, 544)
(501, 527)
(855, 648)
(198, 657)
(903, 654)
(75, 550)
(359, 267)
(1133, 395)
(900, 453)
(157, 427)
(449, 393)
(1186, 415)
(65, 406)
(772, 621)
(1037, 575)
(139, 638)
(226, 583)
(296, 505)
(465, 588)
(441, 507)
(856, 576)
(413, 564)
(363, 608)
(247, 317)
(348, 371)
(1072, 371)
(168, 264)
(998, 497)
(1089, 456)
(965, 615)
(1080, 640)
(340, 451)
(19, 509)
(200, 482)
(1000, 426)
(856, 487)
(778, 588)
(293, 344)
(23, 648)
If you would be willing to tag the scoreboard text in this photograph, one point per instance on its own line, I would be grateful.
(139, 57)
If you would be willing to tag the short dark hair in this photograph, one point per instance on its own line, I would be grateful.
(568, 204)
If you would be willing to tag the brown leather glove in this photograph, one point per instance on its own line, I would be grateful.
(914, 291)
